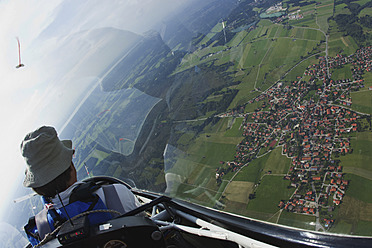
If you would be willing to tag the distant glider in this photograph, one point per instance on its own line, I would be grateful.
(19, 55)
(86, 168)
(23, 198)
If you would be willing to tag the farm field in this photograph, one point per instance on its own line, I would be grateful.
(342, 73)
(362, 152)
(261, 109)
(359, 189)
(362, 101)
(260, 155)
(238, 191)
(296, 220)
(354, 216)
(271, 190)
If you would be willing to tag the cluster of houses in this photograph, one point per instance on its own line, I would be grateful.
(276, 8)
(296, 15)
(362, 60)
(225, 168)
(309, 120)
(316, 186)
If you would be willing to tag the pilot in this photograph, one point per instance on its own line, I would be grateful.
(51, 173)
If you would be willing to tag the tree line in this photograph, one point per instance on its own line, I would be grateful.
(351, 24)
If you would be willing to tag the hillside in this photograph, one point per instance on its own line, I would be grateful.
(145, 67)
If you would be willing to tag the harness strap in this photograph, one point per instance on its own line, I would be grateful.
(112, 202)
(94, 202)
(42, 224)
(112, 198)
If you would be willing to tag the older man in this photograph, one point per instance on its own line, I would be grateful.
(51, 173)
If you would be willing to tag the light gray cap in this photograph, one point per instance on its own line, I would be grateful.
(46, 156)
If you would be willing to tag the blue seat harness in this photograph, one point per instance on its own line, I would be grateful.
(82, 199)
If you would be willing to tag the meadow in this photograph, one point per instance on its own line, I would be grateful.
(354, 216)
(259, 58)
(362, 153)
(362, 101)
(271, 190)
(297, 220)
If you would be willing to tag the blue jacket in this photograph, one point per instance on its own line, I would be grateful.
(82, 199)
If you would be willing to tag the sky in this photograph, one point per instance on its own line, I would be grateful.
(57, 47)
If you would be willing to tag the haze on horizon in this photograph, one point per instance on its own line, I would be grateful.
(57, 65)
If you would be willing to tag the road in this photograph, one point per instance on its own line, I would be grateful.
(318, 226)
(326, 36)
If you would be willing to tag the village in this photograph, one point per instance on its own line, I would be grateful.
(310, 120)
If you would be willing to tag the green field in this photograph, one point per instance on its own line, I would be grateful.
(238, 38)
(274, 162)
(362, 101)
(210, 153)
(362, 152)
(271, 190)
(299, 69)
(354, 216)
(297, 220)
(364, 228)
(324, 11)
(279, 54)
(246, 88)
(368, 79)
(342, 44)
(272, 33)
(341, 226)
(278, 60)
(254, 53)
(200, 161)
(235, 130)
(252, 172)
(342, 73)
(311, 34)
(186, 138)
(359, 188)
(257, 59)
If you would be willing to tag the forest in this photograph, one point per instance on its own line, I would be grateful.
(351, 24)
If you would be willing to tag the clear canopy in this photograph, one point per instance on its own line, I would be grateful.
(257, 108)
